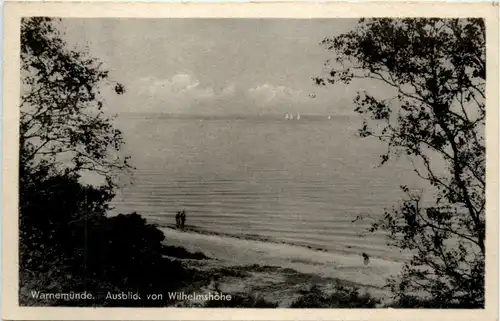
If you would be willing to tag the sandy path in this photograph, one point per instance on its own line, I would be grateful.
(234, 251)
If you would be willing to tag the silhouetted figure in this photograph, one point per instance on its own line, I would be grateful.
(183, 219)
(366, 258)
(178, 219)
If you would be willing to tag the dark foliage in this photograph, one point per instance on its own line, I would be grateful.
(413, 302)
(436, 72)
(62, 125)
(343, 297)
(67, 244)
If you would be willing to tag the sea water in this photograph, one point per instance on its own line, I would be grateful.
(300, 182)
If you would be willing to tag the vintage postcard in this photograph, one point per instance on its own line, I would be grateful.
(263, 161)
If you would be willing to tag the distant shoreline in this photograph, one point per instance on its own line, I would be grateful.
(254, 117)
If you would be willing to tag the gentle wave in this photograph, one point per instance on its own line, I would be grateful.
(300, 184)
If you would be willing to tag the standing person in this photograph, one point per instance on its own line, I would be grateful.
(183, 219)
(178, 219)
(366, 258)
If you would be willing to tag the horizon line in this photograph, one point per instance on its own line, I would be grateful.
(234, 116)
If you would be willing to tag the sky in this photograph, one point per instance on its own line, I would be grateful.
(216, 66)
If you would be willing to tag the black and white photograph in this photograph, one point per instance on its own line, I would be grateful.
(322, 163)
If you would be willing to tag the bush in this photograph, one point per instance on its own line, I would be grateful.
(68, 245)
(343, 297)
(412, 302)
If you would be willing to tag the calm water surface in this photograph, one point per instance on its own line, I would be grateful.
(296, 181)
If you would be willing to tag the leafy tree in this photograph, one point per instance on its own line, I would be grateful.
(66, 241)
(63, 133)
(62, 126)
(436, 70)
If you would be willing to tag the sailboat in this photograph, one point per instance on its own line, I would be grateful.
(287, 117)
(298, 116)
(329, 117)
(291, 117)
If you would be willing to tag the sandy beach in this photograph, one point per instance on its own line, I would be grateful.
(278, 272)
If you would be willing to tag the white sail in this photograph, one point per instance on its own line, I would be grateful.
(298, 116)
(329, 117)
(287, 116)
(291, 117)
